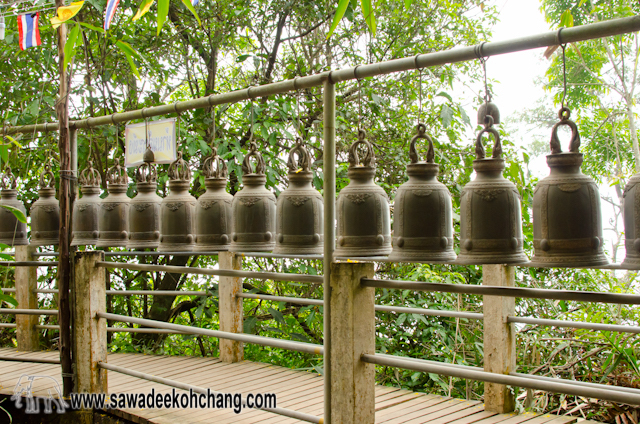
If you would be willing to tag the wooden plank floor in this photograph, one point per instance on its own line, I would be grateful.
(296, 390)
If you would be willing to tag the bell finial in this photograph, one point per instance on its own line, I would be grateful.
(146, 173)
(90, 177)
(179, 169)
(117, 174)
(220, 170)
(47, 174)
(413, 153)
(260, 163)
(369, 157)
(574, 145)
(497, 145)
(8, 175)
(303, 163)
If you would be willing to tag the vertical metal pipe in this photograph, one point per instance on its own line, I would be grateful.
(73, 139)
(329, 187)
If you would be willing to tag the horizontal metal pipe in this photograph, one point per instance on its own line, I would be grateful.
(279, 255)
(143, 330)
(576, 324)
(281, 299)
(458, 54)
(49, 254)
(37, 291)
(139, 253)
(524, 292)
(8, 290)
(29, 263)
(430, 312)
(156, 293)
(28, 311)
(47, 327)
(567, 387)
(179, 385)
(313, 349)
(7, 325)
(276, 276)
(28, 359)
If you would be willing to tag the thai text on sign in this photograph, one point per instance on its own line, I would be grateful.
(161, 137)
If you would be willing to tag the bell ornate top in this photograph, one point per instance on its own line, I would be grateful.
(47, 174)
(260, 163)
(220, 170)
(497, 145)
(179, 170)
(488, 108)
(574, 144)
(117, 174)
(413, 153)
(8, 175)
(146, 173)
(369, 160)
(303, 162)
(90, 177)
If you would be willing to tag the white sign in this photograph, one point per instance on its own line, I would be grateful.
(161, 137)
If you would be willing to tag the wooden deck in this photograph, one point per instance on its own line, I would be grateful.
(296, 390)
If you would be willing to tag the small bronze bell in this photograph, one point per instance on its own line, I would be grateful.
(144, 210)
(299, 209)
(567, 224)
(423, 219)
(113, 219)
(491, 109)
(253, 209)
(213, 211)
(12, 231)
(177, 211)
(45, 212)
(86, 210)
(362, 210)
(490, 215)
(631, 209)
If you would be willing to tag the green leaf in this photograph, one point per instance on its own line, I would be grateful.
(277, 315)
(8, 299)
(192, 10)
(342, 7)
(566, 20)
(250, 325)
(446, 114)
(242, 58)
(369, 16)
(4, 153)
(17, 212)
(70, 45)
(445, 95)
(13, 140)
(407, 3)
(91, 27)
(163, 12)
(129, 52)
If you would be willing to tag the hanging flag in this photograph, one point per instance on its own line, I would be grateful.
(195, 2)
(109, 11)
(65, 13)
(144, 8)
(28, 31)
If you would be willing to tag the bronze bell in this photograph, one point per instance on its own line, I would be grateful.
(213, 211)
(490, 215)
(567, 224)
(253, 209)
(631, 210)
(86, 210)
(299, 209)
(488, 108)
(144, 210)
(423, 219)
(362, 210)
(177, 211)
(45, 212)
(113, 219)
(12, 231)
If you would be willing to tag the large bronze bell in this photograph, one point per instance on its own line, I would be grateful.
(631, 210)
(213, 211)
(144, 210)
(423, 219)
(12, 231)
(45, 212)
(86, 210)
(567, 224)
(113, 219)
(490, 215)
(362, 210)
(177, 211)
(253, 209)
(299, 210)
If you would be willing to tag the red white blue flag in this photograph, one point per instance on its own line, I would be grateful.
(195, 2)
(28, 31)
(109, 11)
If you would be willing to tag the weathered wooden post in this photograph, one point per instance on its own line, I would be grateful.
(499, 337)
(26, 285)
(352, 334)
(90, 332)
(230, 307)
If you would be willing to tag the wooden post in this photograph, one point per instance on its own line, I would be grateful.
(26, 285)
(499, 338)
(90, 332)
(352, 334)
(230, 307)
